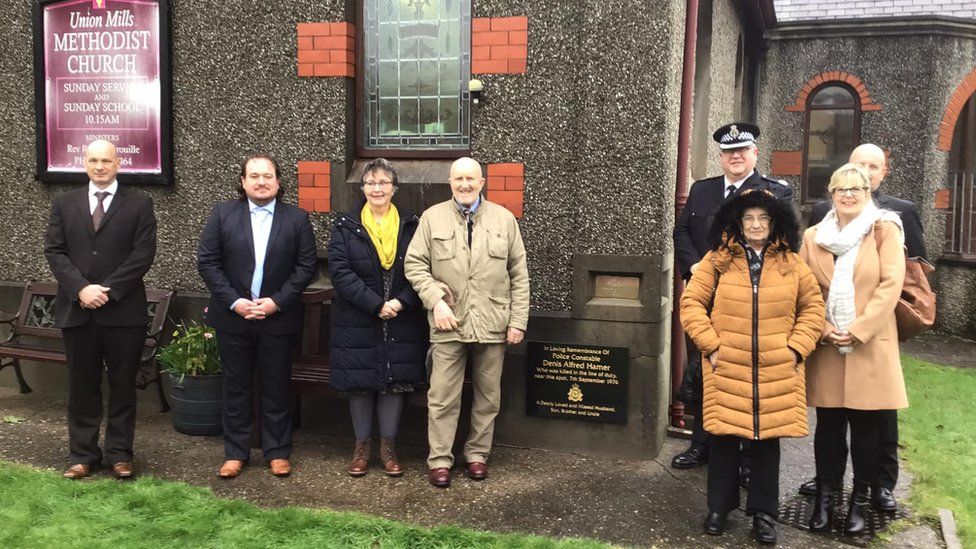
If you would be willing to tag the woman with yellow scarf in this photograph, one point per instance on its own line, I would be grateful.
(379, 327)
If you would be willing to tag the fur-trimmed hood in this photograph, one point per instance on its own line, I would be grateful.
(784, 230)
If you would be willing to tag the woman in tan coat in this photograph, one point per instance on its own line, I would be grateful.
(755, 312)
(857, 255)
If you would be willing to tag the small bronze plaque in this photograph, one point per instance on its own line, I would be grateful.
(573, 381)
(617, 287)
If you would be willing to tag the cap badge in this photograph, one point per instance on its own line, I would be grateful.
(734, 132)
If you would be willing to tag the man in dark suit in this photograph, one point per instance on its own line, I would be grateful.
(257, 255)
(873, 159)
(738, 154)
(100, 242)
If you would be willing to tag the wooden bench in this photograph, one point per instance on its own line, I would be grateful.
(33, 335)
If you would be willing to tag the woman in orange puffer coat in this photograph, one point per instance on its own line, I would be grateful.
(755, 311)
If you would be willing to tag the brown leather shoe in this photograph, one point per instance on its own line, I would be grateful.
(391, 465)
(77, 471)
(231, 468)
(477, 470)
(439, 477)
(122, 470)
(280, 467)
(359, 465)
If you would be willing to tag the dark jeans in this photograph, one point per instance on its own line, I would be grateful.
(874, 445)
(723, 475)
(91, 349)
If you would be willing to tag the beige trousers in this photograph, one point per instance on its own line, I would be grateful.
(444, 399)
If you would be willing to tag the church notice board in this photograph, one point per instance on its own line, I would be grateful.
(572, 381)
(101, 72)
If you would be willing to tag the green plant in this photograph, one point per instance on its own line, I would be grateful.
(192, 352)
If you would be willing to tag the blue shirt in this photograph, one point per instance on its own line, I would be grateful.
(261, 219)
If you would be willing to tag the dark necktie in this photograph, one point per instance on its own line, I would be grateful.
(467, 213)
(729, 190)
(99, 214)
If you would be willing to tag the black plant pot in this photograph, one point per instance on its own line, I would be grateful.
(197, 402)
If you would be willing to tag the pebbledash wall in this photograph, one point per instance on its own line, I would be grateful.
(905, 72)
(578, 135)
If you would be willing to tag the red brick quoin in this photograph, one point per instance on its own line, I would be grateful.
(867, 104)
(499, 45)
(786, 163)
(327, 49)
(314, 188)
(506, 186)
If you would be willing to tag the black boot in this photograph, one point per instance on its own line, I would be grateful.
(857, 514)
(764, 528)
(823, 507)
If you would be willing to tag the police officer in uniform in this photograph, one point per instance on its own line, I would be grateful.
(738, 154)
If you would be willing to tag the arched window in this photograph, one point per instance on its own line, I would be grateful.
(416, 66)
(961, 218)
(832, 129)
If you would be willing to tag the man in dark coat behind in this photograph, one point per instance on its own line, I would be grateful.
(738, 155)
(873, 159)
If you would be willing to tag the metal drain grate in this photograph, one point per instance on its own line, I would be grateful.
(796, 513)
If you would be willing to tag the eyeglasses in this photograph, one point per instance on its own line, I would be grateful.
(762, 220)
(377, 184)
(856, 192)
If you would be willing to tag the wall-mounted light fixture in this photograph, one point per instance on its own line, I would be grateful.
(474, 87)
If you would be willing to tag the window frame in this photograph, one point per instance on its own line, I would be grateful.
(856, 130)
(962, 167)
(360, 112)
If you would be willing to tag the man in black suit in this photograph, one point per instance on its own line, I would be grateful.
(872, 158)
(257, 255)
(738, 155)
(100, 242)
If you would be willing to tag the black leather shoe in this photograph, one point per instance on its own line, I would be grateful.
(857, 514)
(714, 523)
(883, 500)
(764, 528)
(809, 488)
(823, 508)
(745, 477)
(695, 456)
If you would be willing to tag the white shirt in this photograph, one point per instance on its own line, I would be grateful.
(736, 183)
(261, 231)
(93, 200)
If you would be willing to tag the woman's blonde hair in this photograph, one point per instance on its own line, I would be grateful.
(849, 175)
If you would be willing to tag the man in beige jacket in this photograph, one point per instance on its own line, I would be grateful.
(474, 247)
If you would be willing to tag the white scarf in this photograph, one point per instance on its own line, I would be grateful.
(844, 243)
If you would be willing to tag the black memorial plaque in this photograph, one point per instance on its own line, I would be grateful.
(572, 381)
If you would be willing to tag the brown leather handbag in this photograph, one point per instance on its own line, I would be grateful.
(915, 311)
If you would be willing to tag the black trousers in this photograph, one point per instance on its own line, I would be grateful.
(91, 349)
(269, 356)
(874, 445)
(699, 436)
(723, 475)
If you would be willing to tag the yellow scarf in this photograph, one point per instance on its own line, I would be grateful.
(382, 233)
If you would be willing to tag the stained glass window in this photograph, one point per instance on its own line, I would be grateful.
(418, 61)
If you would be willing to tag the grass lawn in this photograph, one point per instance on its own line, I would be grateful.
(40, 509)
(938, 432)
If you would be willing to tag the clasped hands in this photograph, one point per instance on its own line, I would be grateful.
(445, 321)
(390, 309)
(258, 309)
(93, 296)
(837, 338)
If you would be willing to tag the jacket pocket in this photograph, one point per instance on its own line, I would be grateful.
(499, 316)
(497, 246)
(444, 246)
